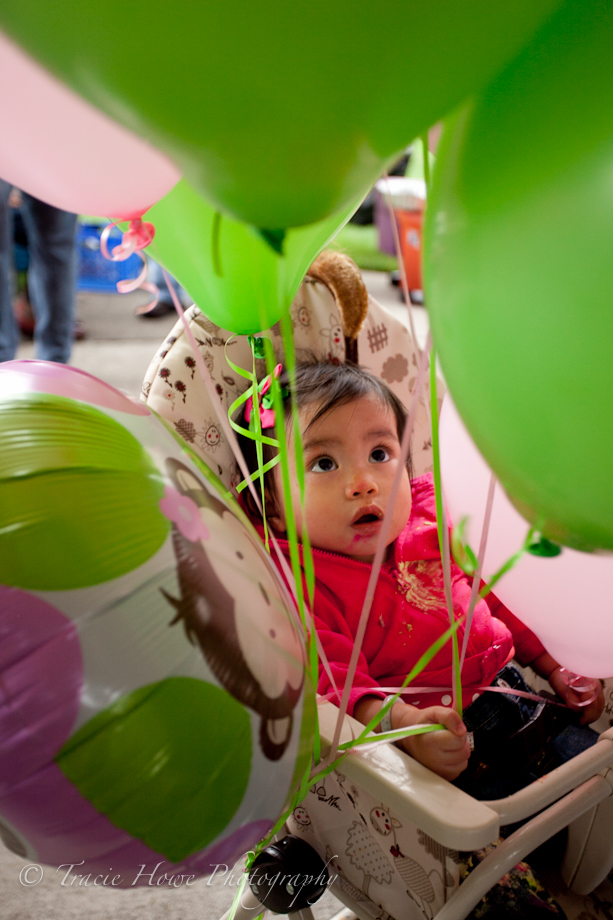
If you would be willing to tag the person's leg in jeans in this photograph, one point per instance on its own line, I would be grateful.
(165, 303)
(9, 333)
(51, 276)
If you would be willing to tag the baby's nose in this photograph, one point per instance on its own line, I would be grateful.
(361, 484)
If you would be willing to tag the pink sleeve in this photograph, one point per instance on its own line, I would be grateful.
(337, 643)
(527, 645)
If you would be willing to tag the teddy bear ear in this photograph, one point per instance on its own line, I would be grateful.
(342, 276)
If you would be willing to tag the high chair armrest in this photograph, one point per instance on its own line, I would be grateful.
(412, 791)
(557, 783)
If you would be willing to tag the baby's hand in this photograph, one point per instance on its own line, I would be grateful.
(446, 752)
(575, 696)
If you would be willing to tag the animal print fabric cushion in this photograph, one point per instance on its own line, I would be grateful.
(173, 387)
(380, 861)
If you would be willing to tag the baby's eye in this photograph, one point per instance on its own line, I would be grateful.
(379, 455)
(323, 465)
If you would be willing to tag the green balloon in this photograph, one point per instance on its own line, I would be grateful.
(232, 272)
(78, 496)
(519, 274)
(280, 112)
(168, 763)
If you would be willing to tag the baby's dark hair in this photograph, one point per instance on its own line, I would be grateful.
(327, 385)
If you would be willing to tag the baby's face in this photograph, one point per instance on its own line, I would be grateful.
(350, 455)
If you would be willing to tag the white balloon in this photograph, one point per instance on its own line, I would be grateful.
(566, 600)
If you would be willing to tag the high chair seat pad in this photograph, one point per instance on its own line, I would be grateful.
(173, 387)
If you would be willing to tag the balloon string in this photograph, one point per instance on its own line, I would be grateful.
(404, 691)
(139, 235)
(474, 592)
(381, 548)
(443, 534)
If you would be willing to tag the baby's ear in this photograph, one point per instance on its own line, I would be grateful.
(275, 514)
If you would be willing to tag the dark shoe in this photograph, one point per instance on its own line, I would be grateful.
(22, 309)
(162, 308)
(78, 331)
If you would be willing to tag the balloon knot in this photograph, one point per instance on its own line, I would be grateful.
(139, 235)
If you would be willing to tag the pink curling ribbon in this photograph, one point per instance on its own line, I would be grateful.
(588, 684)
(139, 234)
(267, 413)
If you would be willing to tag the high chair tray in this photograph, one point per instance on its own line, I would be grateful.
(442, 811)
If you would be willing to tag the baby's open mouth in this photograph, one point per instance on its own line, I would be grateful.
(367, 515)
(367, 519)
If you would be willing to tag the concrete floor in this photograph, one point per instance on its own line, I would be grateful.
(120, 345)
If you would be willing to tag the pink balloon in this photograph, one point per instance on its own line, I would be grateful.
(566, 600)
(31, 376)
(62, 150)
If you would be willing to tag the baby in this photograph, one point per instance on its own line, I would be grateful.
(352, 426)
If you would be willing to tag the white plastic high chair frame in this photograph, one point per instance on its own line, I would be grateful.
(427, 819)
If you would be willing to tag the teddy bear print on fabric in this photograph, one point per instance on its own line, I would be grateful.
(301, 817)
(336, 873)
(419, 885)
(395, 369)
(231, 607)
(167, 345)
(367, 857)
(325, 797)
(301, 318)
(373, 910)
(349, 790)
(177, 385)
(377, 337)
(334, 340)
(208, 438)
(441, 853)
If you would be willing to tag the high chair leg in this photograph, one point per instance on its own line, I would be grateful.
(518, 845)
(248, 908)
(589, 854)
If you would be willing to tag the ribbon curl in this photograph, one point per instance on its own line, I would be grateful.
(138, 236)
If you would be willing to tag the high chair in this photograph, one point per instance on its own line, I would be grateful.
(388, 828)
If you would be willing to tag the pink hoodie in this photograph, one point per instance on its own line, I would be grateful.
(408, 614)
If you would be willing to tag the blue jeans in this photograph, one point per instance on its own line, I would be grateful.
(494, 718)
(156, 275)
(51, 277)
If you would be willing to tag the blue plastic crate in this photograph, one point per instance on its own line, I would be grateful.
(94, 272)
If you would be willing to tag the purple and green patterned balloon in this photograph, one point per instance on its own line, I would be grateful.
(154, 708)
